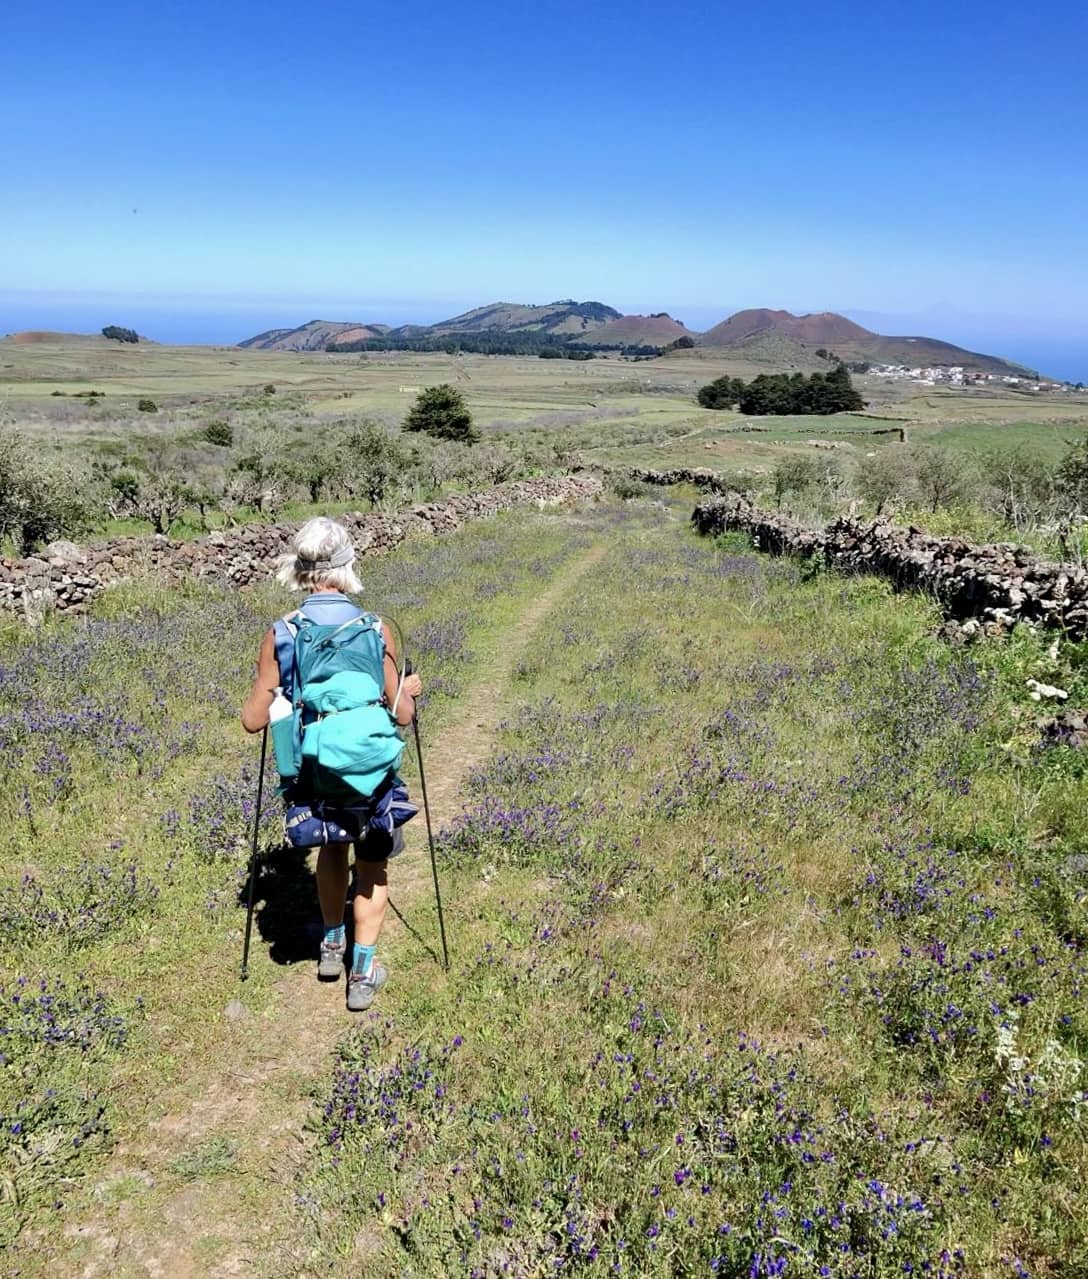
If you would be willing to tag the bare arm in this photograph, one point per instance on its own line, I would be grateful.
(413, 685)
(265, 683)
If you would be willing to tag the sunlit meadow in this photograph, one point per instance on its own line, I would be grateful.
(767, 913)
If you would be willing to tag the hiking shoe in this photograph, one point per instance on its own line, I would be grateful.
(331, 964)
(361, 990)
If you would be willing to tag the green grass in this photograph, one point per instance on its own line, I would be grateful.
(723, 880)
(1047, 439)
(767, 929)
(122, 736)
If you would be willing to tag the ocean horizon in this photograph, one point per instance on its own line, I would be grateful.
(1060, 356)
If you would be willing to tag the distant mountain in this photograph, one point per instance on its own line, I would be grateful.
(823, 329)
(563, 320)
(780, 336)
(567, 319)
(314, 336)
(778, 339)
(637, 330)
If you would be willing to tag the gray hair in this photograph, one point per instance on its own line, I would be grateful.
(322, 559)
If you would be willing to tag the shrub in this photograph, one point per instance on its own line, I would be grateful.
(795, 475)
(120, 335)
(219, 433)
(1073, 475)
(39, 500)
(886, 475)
(625, 487)
(269, 388)
(147, 406)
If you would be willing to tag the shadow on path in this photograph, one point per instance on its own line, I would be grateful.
(288, 917)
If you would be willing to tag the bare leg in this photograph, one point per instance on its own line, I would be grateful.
(371, 900)
(332, 883)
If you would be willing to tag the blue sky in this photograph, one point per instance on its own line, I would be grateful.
(227, 167)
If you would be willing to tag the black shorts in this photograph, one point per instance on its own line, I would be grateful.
(379, 845)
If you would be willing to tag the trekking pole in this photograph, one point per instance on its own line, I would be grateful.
(253, 856)
(430, 833)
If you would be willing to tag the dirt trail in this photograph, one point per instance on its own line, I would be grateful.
(205, 1192)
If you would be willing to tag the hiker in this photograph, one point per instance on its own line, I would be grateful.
(351, 645)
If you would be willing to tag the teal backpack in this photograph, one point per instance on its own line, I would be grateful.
(340, 743)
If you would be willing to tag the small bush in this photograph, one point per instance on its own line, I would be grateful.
(269, 388)
(219, 433)
(147, 406)
(624, 487)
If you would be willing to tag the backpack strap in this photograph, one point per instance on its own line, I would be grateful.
(284, 631)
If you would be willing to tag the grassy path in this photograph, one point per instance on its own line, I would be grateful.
(206, 1190)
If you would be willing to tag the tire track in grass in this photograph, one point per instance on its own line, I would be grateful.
(206, 1193)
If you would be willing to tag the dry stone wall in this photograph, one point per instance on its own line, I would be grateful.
(708, 481)
(987, 587)
(67, 577)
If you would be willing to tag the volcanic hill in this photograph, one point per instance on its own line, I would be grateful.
(777, 339)
(659, 329)
(774, 333)
(314, 336)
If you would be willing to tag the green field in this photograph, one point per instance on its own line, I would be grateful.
(294, 421)
(619, 412)
(766, 911)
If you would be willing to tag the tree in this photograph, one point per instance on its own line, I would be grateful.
(375, 462)
(261, 471)
(39, 500)
(843, 395)
(1021, 486)
(722, 393)
(441, 412)
(162, 500)
(886, 474)
(120, 335)
(941, 476)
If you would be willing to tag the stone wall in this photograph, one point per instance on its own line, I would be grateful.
(979, 587)
(67, 577)
(708, 481)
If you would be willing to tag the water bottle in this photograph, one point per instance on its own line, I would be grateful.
(281, 722)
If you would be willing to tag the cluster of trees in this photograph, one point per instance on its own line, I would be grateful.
(784, 394)
(532, 342)
(120, 335)
(567, 353)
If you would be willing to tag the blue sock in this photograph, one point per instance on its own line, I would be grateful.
(335, 934)
(361, 958)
